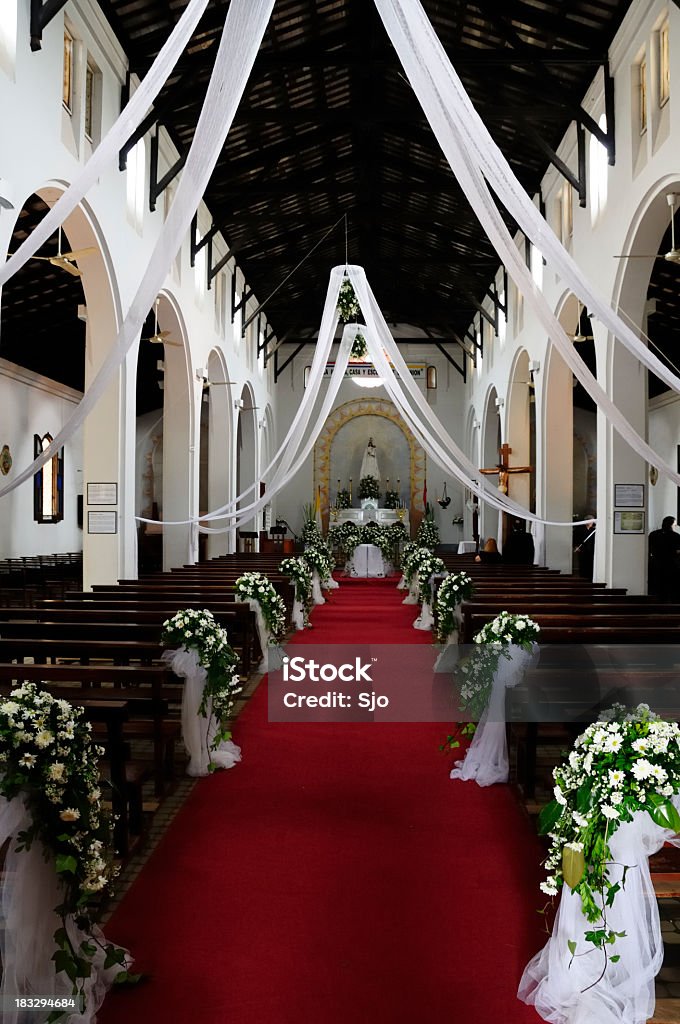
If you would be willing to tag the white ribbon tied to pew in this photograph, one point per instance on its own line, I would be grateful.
(272, 659)
(402, 584)
(29, 892)
(198, 731)
(298, 614)
(558, 987)
(426, 619)
(329, 584)
(486, 761)
(447, 659)
(316, 588)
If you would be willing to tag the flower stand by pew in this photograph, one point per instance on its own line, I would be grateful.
(59, 857)
(507, 648)
(270, 615)
(208, 664)
(453, 590)
(616, 803)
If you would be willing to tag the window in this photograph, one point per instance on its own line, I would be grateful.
(502, 318)
(536, 265)
(48, 484)
(567, 211)
(598, 173)
(136, 179)
(67, 85)
(92, 117)
(664, 65)
(642, 95)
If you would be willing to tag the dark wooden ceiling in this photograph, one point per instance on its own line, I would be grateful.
(329, 127)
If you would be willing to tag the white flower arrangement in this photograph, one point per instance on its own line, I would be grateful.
(428, 533)
(509, 629)
(348, 304)
(428, 565)
(298, 570)
(454, 589)
(196, 628)
(319, 557)
(49, 759)
(627, 761)
(255, 586)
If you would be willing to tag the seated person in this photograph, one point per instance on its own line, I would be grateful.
(489, 555)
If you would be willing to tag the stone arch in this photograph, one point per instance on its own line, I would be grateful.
(247, 452)
(491, 438)
(217, 432)
(368, 407)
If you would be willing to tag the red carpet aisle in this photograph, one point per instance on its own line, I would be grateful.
(337, 875)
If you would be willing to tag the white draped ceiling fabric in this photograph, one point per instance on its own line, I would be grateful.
(474, 158)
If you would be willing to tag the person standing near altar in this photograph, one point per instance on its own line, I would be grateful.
(369, 463)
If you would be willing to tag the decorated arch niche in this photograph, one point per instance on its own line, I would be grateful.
(340, 446)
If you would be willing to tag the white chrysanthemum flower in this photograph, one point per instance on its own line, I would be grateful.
(612, 744)
(609, 811)
(616, 778)
(616, 797)
(641, 745)
(69, 814)
(44, 739)
(559, 796)
(577, 847)
(580, 819)
(57, 771)
(642, 769)
(28, 760)
(549, 887)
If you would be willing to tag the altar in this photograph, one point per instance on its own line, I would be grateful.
(368, 563)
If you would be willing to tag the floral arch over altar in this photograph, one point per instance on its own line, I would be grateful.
(342, 415)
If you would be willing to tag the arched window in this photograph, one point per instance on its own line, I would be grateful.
(48, 484)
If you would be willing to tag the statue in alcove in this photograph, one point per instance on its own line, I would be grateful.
(369, 464)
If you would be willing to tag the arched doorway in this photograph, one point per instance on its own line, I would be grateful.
(490, 519)
(246, 456)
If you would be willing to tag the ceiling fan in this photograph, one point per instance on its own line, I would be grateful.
(66, 260)
(160, 337)
(673, 254)
(578, 334)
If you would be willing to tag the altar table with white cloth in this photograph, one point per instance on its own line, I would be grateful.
(368, 561)
(466, 547)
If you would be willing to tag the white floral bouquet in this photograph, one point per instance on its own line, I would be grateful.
(509, 629)
(454, 589)
(196, 628)
(348, 304)
(347, 537)
(409, 559)
(298, 570)
(318, 557)
(254, 586)
(428, 534)
(359, 346)
(625, 762)
(49, 760)
(381, 536)
(427, 568)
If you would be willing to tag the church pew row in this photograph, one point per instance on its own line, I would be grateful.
(80, 620)
(475, 614)
(148, 689)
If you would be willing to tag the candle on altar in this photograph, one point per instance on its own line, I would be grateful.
(350, 490)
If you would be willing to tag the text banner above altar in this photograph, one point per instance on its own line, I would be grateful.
(418, 371)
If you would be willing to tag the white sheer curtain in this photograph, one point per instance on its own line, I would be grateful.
(559, 987)
(244, 28)
(198, 731)
(29, 892)
(486, 760)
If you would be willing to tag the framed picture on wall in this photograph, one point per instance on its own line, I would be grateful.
(629, 496)
(629, 522)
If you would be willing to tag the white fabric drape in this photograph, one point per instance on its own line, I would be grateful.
(486, 760)
(471, 154)
(198, 731)
(368, 562)
(317, 596)
(402, 584)
(29, 892)
(298, 614)
(448, 656)
(626, 994)
(425, 620)
(244, 28)
(329, 584)
(272, 659)
(301, 437)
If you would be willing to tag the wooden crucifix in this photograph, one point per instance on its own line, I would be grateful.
(504, 469)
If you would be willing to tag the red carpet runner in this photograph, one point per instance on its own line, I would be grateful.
(336, 876)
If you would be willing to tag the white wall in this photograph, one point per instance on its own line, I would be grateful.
(31, 404)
